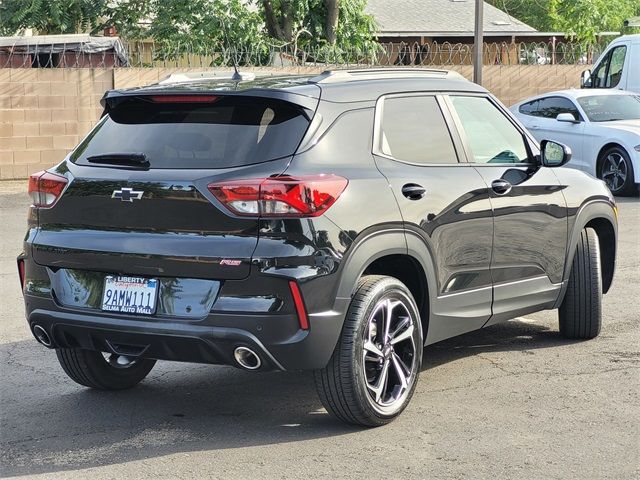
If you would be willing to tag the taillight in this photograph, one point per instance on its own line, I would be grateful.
(21, 271)
(45, 188)
(288, 197)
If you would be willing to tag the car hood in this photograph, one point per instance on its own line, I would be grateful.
(631, 126)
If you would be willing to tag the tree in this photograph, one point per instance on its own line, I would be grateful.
(582, 20)
(50, 16)
(201, 27)
(532, 12)
(337, 23)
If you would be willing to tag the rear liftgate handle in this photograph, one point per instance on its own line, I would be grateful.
(413, 191)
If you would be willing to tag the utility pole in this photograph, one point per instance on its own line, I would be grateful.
(478, 42)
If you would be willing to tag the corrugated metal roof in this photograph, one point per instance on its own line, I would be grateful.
(440, 18)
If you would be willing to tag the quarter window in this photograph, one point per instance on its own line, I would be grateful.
(414, 130)
(490, 135)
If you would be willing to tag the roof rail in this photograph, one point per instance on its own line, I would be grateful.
(199, 76)
(332, 76)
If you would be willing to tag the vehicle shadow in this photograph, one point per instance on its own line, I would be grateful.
(514, 335)
(49, 424)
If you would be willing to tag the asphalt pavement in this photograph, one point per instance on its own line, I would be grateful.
(512, 401)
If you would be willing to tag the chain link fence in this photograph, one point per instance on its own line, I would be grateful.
(150, 54)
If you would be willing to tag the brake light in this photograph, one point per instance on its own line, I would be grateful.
(45, 188)
(284, 197)
(299, 303)
(183, 98)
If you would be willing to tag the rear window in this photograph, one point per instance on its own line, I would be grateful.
(228, 132)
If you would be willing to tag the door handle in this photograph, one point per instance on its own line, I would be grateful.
(534, 127)
(501, 187)
(413, 191)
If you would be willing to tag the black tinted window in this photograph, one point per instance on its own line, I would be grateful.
(529, 108)
(231, 131)
(414, 130)
(550, 107)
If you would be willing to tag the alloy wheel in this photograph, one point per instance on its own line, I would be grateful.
(389, 355)
(614, 171)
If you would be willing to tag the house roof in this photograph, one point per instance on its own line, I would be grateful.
(440, 18)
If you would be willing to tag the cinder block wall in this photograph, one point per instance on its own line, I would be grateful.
(45, 112)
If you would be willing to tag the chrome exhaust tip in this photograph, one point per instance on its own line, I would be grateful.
(42, 336)
(247, 358)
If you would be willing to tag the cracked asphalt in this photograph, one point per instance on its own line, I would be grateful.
(511, 401)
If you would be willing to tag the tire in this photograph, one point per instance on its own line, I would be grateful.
(93, 370)
(616, 169)
(580, 313)
(352, 387)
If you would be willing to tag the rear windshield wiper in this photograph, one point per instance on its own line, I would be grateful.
(132, 160)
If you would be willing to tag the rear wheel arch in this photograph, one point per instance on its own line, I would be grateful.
(396, 253)
(408, 270)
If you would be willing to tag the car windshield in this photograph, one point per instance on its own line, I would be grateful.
(608, 108)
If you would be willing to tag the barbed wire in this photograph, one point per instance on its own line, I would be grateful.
(150, 54)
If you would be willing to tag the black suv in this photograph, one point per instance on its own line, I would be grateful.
(337, 224)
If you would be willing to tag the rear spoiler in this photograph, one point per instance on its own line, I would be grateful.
(308, 97)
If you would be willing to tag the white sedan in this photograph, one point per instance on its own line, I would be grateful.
(601, 126)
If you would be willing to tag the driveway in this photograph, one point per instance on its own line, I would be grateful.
(512, 401)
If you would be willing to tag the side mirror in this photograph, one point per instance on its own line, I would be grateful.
(554, 154)
(585, 79)
(567, 117)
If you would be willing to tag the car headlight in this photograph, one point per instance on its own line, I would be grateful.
(637, 148)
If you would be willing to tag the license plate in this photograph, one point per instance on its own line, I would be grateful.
(130, 295)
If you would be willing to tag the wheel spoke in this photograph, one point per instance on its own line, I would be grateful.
(371, 347)
(607, 174)
(388, 316)
(403, 335)
(380, 386)
(401, 371)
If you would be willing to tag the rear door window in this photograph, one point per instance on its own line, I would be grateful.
(413, 130)
(220, 133)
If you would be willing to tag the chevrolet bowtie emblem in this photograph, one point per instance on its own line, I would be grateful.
(127, 194)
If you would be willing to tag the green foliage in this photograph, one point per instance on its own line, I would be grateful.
(532, 12)
(303, 24)
(584, 19)
(49, 16)
(207, 25)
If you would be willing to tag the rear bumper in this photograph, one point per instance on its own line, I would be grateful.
(199, 342)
